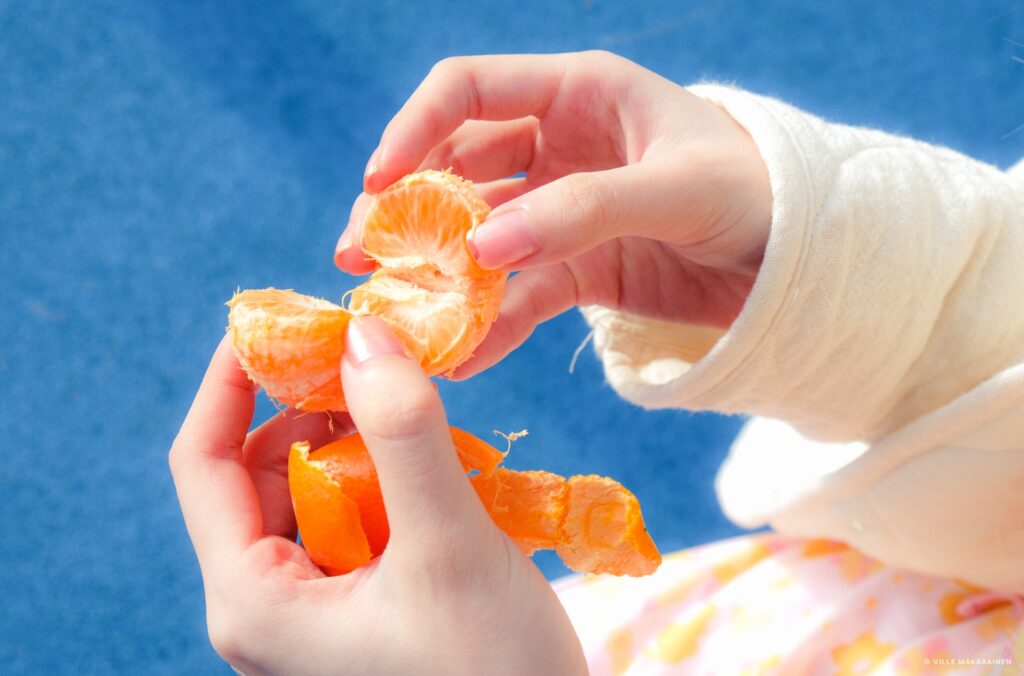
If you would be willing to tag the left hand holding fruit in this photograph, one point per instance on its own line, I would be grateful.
(450, 594)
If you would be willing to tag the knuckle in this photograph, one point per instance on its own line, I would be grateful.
(508, 332)
(434, 116)
(524, 152)
(456, 76)
(174, 459)
(535, 304)
(407, 414)
(589, 201)
(226, 636)
(602, 57)
(607, 71)
(448, 67)
(446, 155)
(240, 615)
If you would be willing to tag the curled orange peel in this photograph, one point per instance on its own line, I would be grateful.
(594, 523)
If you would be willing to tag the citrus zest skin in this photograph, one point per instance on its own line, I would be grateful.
(593, 522)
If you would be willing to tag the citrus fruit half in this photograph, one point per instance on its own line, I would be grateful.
(291, 346)
(428, 289)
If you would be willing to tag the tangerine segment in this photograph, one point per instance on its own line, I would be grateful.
(328, 520)
(290, 345)
(429, 289)
(605, 529)
(420, 222)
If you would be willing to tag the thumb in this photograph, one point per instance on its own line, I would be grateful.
(399, 414)
(678, 201)
(569, 216)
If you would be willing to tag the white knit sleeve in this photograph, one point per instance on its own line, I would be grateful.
(893, 281)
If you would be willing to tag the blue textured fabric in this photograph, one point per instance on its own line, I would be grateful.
(155, 156)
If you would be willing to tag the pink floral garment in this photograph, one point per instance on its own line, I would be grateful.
(767, 604)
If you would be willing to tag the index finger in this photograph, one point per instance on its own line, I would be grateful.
(498, 87)
(217, 496)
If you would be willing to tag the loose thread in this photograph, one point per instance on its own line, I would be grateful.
(579, 350)
(510, 437)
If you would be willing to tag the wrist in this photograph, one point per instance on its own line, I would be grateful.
(738, 188)
(753, 217)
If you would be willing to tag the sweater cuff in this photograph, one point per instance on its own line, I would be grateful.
(658, 364)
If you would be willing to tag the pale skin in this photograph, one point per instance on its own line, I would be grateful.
(637, 195)
(450, 594)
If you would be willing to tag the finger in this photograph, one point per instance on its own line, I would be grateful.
(456, 90)
(531, 297)
(266, 456)
(574, 214)
(349, 255)
(496, 193)
(401, 419)
(486, 151)
(217, 496)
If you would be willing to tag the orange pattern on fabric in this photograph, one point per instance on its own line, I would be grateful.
(968, 587)
(740, 562)
(862, 655)
(681, 639)
(856, 566)
(863, 618)
(947, 607)
(679, 592)
(620, 649)
(762, 667)
(998, 622)
(821, 547)
(921, 661)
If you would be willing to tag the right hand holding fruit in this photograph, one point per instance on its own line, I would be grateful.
(450, 594)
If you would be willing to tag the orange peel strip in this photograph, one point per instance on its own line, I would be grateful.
(327, 518)
(594, 523)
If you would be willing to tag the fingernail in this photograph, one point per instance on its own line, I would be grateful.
(344, 242)
(347, 255)
(502, 239)
(369, 337)
(371, 165)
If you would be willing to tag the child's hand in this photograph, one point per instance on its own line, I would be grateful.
(450, 595)
(638, 195)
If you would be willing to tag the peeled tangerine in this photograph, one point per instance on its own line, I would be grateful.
(440, 304)
(593, 523)
(427, 288)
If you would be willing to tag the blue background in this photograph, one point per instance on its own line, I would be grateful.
(155, 156)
